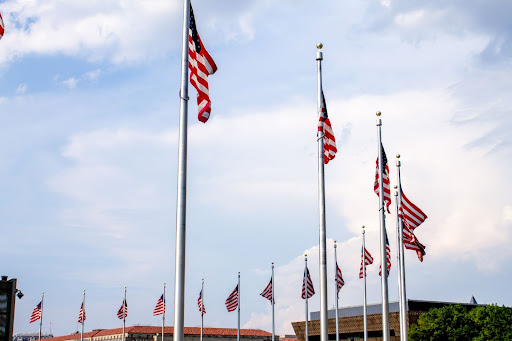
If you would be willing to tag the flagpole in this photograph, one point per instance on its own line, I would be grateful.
(383, 258)
(124, 312)
(336, 291)
(400, 232)
(324, 336)
(163, 318)
(305, 274)
(238, 329)
(83, 318)
(41, 319)
(202, 309)
(365, 311)
(273, 302)
(179, 286)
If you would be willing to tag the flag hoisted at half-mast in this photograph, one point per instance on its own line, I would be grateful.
(368, 259)
(200, 303)
(388, 258)
(160, 306)
(232, 300)
(339, 279)
(267, 292)
(36, 313)
(412, 217)
(201, 65)
(385, 180)
(81, 314)
(123, 311)
(307, 285)
(324, 125)
(2, 27)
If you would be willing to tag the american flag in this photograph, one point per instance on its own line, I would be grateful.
(36, 313)
(2, 27)
(232, 300)
(388, 258)
(160, 306)
(200, 303)
(325, 125)
(412, 243)
(339, 279)
(81, 314)
(368, 259)
(307, 285)
(123, 311)
(411, 215)
(385, 179)
(267, 292)
(201, 65)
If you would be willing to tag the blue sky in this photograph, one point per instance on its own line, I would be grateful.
(88, 116)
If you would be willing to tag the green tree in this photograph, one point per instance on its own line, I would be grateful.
(492, 322)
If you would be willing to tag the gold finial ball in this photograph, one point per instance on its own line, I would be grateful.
(378, 113)
(397, 156)
(305, 255)
(319, 46)
(395, 187)
(362, 227)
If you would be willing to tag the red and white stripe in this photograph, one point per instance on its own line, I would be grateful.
(324, 125)
(412, 243)
(122, 313)
(339, 279)
(232, 300)
(2, 27)
(267, 292)
(368, 259)
(201, 65)
(81, 314)
(160, 306)
(385, 180)
(411, 214)
(307, 285)
(36, 313)
(388, 259)
(200, 302)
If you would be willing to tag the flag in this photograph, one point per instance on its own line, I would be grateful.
(385, 179)
(368, 259)
(160, 306)
(201, 65)
(123, 311)
(267, 292)
(81, 314)
(36, 313)
(412, 243)
(307, 285)
(2, 27)
(200, 302)
(324, 124)
(232, 300)
(411, 215)
(339, 279)
(388, 258)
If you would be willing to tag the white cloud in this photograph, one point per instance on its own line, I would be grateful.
(70, 83)
(22, 88)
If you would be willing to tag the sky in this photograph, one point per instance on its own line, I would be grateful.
(89, 111)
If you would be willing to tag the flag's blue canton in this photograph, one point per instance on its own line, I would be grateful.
(192, 27)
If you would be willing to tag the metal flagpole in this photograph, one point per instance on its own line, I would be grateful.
(383, 259)
(83, 318)
(179, 286)
(202, 307)
(398, 253)
(273, 302)
(41, 319)
(163, 318)
(238, 329)
(324, 336)
(401, 282)
(336, 292)
(305, 279)
(365, 311)
(124, 312)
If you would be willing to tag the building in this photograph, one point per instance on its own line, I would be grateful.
(351, 320)
(152, 333)
(30, 336)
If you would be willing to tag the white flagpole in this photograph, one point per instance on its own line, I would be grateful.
(238, 329)
(83, 318)
(273, 302)
(181, 204)
(365, 311)
(124, 312)
(401, 278)
(163, 317)
(336, 292)
(202, 307)
(305, 279)
(324, 336)
(41, 319)
(383, 258)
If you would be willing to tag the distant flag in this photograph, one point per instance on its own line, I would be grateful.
(267, 292)
(339, 279)
(36, 313)
(411, 215)
(324, 124)
(2, 27)
(200, 303)
(388, 258)
(201, 65)
(232, 300)
(122, 313)
(160, 306)
(385, 180)
(307, 285)
(81, 314)
(368, 259)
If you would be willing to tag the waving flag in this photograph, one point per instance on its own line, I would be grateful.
(36, 313)
(368, 259)
(307, 285)
(232, 300)
(385, 180)
(412, 243)
(267, 292)
(200, 303)
(339, 279)
(324, 125)
(201, 65)
(411, 215)
(388, 258)
(160, 306)
(81, 314)
(2, 27)
(122, 313)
